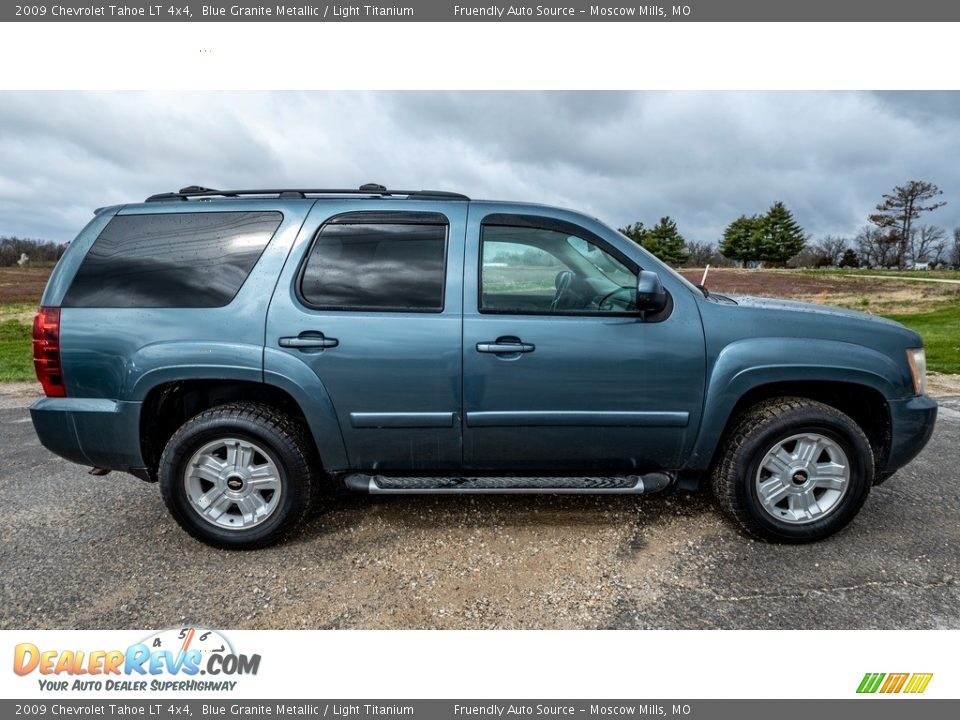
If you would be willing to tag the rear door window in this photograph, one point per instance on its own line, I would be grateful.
(392, 262)
(172, 259)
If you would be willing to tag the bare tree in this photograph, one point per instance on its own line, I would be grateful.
(901, 207)
(955, 252)
(700, 254)
(927, 244)
(831, 248)
(877, 247)
(810, 257)
(12, 250)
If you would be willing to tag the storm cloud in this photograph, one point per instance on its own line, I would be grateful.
(702, 157)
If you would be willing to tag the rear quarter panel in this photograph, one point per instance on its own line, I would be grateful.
(121, 353)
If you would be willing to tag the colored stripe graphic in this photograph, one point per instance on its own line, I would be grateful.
(870, 682)
(894, 683)
(918, 682)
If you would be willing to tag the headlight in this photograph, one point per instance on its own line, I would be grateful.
(918, 369)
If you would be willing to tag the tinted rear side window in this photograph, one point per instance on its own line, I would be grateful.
(172, 260)
(388, 265)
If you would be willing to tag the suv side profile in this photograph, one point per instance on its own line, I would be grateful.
(248, 348)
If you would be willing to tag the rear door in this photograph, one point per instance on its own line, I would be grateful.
(371, 302)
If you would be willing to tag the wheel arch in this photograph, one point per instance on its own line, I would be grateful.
(861, 402)
(168, 405)
(855, 379)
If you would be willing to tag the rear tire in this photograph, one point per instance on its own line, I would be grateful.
(793, 470)
(239, 476)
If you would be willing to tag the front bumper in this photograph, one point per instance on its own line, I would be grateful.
(96, 432)
(911, 425)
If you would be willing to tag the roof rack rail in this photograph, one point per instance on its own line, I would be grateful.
(374, 189)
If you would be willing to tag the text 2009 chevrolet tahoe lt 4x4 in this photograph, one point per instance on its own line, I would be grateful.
(249, 348)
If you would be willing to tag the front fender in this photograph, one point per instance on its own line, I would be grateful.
(748, 364)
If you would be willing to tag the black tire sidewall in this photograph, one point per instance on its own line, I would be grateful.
(851, 441)
(201, 430)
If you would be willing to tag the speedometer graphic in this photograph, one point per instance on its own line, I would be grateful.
(184, 639)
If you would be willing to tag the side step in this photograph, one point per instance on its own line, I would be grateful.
(612, 485)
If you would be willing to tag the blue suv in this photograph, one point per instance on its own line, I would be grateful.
(249, 349)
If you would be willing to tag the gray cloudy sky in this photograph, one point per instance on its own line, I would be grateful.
(702, 157)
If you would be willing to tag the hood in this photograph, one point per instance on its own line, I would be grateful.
(761, 303)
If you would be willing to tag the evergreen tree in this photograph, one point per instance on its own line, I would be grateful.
(635, 232)
(741, 239)
(850, 259)
(641, 236)
(662, 240)
(666, 242)
(781, 237)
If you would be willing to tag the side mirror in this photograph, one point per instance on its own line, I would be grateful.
(651, 297)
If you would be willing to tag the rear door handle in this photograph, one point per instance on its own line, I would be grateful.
(506, 346)
(309, 341)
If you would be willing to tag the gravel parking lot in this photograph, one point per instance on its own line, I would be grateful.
(101, 552)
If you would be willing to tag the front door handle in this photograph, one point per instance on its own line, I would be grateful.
(309, 341)
(506, 346)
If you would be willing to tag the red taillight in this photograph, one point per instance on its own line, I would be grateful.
(46, 351)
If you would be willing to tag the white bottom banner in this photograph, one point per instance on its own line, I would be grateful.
(203, 662)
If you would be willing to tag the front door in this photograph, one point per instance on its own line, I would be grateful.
(561, 373)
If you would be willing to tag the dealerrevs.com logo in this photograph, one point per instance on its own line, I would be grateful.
(168, 660)
(910, 683)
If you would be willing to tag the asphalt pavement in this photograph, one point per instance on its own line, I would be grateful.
(78, 551)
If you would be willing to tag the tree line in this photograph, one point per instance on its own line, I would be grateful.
(893, 237)
(43, 252)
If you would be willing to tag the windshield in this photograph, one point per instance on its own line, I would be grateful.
(607, 265)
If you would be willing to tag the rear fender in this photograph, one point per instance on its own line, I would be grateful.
(302, 384)
(163, 363)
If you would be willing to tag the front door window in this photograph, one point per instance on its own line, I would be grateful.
(528, 270)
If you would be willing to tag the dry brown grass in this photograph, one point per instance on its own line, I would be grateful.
(880, 297)
(22, 285)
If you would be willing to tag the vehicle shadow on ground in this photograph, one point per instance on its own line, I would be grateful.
(343, 508)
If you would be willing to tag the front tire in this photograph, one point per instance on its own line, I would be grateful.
(793, 470)
(239, 476)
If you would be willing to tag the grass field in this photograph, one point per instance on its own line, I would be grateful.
(16, 358)
(932, 309)
(22, 285)
(853, 290)
(940, 331)
(901, 274)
